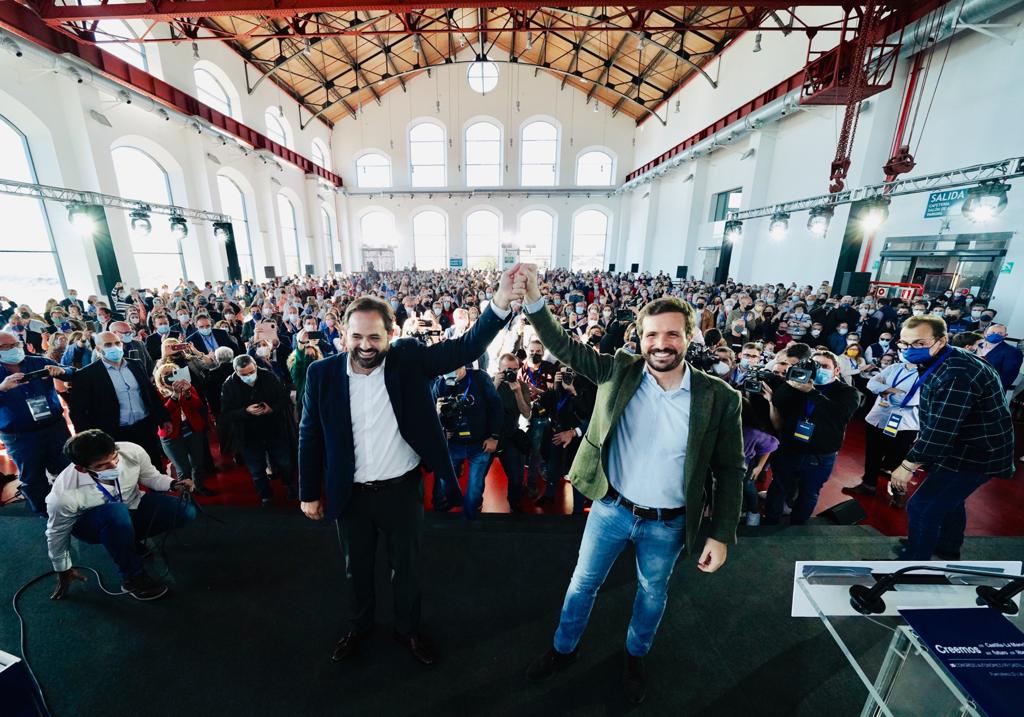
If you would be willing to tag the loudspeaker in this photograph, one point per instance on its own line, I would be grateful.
(337, 268)
(611, 267)
(269, 272)
(310, 269)
(681, 271)
(634, 268)
(849, 512)
(855, 283)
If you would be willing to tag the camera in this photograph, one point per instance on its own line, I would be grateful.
(568, 376)
(755, 378)
(32, 375)
(802, 372)
(453, 413)
(701, 358)
(509, 375)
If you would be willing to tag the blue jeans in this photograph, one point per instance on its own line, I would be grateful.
(255, 453)
(479, 464)
(658, 544)
(797, 479)
(117, 528)
(34, 453)
(936, 517)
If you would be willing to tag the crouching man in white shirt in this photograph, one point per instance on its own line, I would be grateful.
(97, 500)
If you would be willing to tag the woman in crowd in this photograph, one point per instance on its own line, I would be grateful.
(184, 437)
(79, 350)
(306, 352)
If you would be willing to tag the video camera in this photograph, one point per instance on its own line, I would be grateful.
(701, 357)
(755, 379)
(802, 372)
(454, 415)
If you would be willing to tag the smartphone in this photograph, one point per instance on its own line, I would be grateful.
(314, 336)
(181, 346)
(181, 374)
(266, 330)
(32, 375)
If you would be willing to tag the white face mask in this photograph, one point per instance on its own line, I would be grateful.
(263, 352)
(722, 368)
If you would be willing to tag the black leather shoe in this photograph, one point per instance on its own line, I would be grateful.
(859, 489)
(348, 645)
(419, 646)
(946, 556)
(549, 663)
(634, 679)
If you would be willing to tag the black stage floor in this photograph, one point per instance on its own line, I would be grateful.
(254, 613)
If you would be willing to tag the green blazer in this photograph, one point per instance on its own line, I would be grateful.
(715, 443)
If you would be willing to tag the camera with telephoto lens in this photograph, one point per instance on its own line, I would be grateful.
(701, 358)
(802, 372)
(755, 378)
(454, 414)
(509, 375)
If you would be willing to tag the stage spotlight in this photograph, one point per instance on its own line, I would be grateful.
(819, 220)
(221, 230)
(141, 224)
(81, 220)
(733, 231)
(985, 201)
(874, 213)
(179, 228)
(779, 225)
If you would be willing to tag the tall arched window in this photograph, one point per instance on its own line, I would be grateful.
(430, 240)
(289, 235)
(373, 169)
(327, 224)
(427, 152)
(211, 92)
(595, 169)
(232, 202)
(158, 256)
(589, 236)
(30, 270)
(539, 155)
(376, 231)
(277, 129)
(483, 155)
(483, 236)
(131, 52)
(320, 155)
(536, 237)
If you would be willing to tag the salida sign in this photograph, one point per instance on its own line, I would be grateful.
(939, 203)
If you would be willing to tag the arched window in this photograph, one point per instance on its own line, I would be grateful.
(277, 129)
(377, 229)
(595, 169)
(289, 235)
(320, 155)
(430, 240)
(131, 52)
(158, 256)
(539, 155)
(327, 223)
(482, 76)
(211, 92)
(536, 237)
(30, 270)
(232, 202)
(427, 154)
(373, 169)
(589, 236)
(483, 235)
(483, 155)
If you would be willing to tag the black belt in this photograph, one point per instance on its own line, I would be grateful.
(378, 485)
(640, 511)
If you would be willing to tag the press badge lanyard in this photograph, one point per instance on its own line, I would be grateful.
(892, 426)
(805, 428)
(110, 498)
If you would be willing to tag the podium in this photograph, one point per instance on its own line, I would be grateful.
(928, 644)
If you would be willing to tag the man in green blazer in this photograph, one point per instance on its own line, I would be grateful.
(658, 430)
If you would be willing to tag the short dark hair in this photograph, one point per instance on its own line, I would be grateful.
(936, 323)
(829, 355)
(666, 305)
(797, 350)
(965, 339)
(372, 303)
(89, 446)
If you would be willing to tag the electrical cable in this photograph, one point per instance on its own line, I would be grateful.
(935, 91)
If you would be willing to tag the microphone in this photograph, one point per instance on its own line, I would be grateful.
(868, 600)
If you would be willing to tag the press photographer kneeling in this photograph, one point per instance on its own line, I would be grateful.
(514, 445)
(97, 500)
(472, 417)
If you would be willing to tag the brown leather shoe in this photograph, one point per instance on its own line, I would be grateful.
(348, 645)
(419, 646)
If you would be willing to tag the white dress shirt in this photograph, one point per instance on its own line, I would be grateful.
(381, 452)
(75, 492)
(901, 376)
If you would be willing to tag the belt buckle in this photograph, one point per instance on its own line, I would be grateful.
(636, 511)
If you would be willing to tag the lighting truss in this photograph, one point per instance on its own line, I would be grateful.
(77, 196)
(950, 179)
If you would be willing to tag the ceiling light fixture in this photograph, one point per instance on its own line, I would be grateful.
(179, 228)
(819, 220)
(985, 201)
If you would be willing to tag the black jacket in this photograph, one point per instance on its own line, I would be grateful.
(93, 401)
(238, 425)
(833, 406)
(220, 337)
(154, 342)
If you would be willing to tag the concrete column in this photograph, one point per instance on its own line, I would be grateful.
(757, 174)
(318, 252)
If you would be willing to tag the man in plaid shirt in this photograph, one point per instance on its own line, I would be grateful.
(966, 438)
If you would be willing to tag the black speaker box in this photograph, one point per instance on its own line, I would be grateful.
(855, 283)
(849, 512)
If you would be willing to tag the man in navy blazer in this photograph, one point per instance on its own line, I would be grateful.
(1005, 359)
(368, 423)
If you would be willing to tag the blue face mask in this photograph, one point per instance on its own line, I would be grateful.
(163, 329)
(113, 354)
(822, 376)
(127, 338)
(917, 355)
(12, 356)
(205, 331)
(994, 338)
(745, 363)
(248, 380)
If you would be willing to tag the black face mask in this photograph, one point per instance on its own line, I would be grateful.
(536, 358)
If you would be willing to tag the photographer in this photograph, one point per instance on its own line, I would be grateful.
(815, 408)
(472, 418)
(513, 446)
(538, 376)
(564, 413)
(97, 500)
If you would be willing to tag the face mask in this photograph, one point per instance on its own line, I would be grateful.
(293, 317)
(975, 314)
(163, 329)
(815, 333)
(853, 353)
(205, 331)
(994, 338)
(437, 311)
(842, 332)
(110, 474)
(329, 322)
(798, 312)
(394, 305)
(822, 376)
(536, 358)
(447, 305)
(113, 354)
(916, 355)
(12, 356)
(580, 310)
(183, 318)
(606, 314)
(558, 302)
(127, 338)
(701, 306)
(884, 343)
(745, 362)
(918, 312)
(722, 368)
(248, 380)
(488, 295)
(262, 352)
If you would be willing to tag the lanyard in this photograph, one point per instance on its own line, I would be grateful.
(530, 374)
(924, 377)
(900, 378)
(110, 498)
(811, 405)
(562, 402)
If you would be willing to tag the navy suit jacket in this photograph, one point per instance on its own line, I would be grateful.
(327, 461)
(220, 337)
(1006, 360)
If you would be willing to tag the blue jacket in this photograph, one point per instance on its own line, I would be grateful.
(485, 414)
(327, 460)
(1006, 360)
(69, 355)
(15, 416)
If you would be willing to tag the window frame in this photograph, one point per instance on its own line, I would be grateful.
(500, 165)
(556, 165)
(281, 196)
(444, 153)
(216, 81)
(371, 153)
(596, 149)
(447, 236)
(573, 236)
(486, 209)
